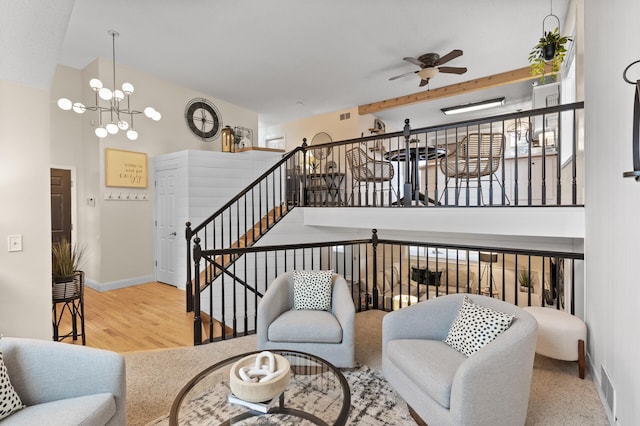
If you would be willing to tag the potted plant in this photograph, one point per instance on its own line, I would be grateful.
(525, 279)
(550, 49)
(65, 269)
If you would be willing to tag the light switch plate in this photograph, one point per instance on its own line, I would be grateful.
(14, 242)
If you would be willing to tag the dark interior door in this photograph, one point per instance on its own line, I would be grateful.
(60, 205)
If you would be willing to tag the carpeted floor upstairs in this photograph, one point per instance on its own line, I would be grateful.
(558, 396)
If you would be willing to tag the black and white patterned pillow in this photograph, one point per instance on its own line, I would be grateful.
(475, 326)
(9, 399)
(312, 290)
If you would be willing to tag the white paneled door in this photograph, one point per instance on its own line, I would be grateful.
(166, 230)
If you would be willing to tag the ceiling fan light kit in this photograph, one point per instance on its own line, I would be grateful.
(473, 106)
(427, 73)
(430, 66)
(117, 110)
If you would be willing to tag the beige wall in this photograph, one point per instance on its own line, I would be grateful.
(119, 235)
(25, 276)
(339, 130)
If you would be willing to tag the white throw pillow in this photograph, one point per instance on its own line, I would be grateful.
(312, 290)
(475, 326)
(9, 399)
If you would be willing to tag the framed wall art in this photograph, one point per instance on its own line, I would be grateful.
(126, 169)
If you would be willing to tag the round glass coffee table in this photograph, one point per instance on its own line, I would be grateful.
(317, 394)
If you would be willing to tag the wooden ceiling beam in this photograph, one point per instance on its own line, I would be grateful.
(495, 80)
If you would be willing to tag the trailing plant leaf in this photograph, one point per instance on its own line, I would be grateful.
(536, 56)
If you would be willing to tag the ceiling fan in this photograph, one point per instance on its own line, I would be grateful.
(430, 66)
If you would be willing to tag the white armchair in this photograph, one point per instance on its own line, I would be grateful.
(445, 387)
(63, 384)
(327, 334)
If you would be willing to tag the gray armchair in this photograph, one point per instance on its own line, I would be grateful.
(64, 384)
(327, 334)
(445, 387)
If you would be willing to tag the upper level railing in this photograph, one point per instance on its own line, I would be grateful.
(383, 274)
(527, 158)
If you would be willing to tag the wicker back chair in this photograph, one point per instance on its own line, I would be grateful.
(367, 170)
(476, 155)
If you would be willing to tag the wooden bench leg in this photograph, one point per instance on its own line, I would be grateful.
(581, 359)
(416, 417)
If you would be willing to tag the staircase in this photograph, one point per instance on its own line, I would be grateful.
(222, 263)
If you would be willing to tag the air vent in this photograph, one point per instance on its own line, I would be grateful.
(345, 116)
(607, 391)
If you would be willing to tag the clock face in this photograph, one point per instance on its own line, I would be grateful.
(203, 119)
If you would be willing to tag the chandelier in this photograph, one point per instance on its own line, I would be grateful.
(117, 106)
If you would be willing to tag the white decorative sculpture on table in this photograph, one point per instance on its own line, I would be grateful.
(261, 372)
(259, 377)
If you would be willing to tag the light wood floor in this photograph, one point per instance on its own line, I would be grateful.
(142, 317)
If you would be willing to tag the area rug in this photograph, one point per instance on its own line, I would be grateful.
(373, 402)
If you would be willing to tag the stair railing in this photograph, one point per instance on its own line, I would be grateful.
(243, 220)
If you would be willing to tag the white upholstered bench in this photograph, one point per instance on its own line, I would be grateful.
(560, 335)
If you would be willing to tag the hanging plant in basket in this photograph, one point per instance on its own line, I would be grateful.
(551, 50)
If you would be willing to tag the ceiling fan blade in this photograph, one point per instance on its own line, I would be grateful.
(414, 61)
(449, 56)
(453, 70)
(402, 75)
(423, 82)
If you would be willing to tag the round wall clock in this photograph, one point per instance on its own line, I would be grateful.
(203, 119)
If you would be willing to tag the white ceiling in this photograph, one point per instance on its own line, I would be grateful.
(289, 59)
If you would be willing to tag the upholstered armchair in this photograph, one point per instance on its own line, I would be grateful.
(63, 384)
(446, 387)
(328, 334)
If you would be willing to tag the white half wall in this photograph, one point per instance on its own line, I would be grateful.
(612, 42)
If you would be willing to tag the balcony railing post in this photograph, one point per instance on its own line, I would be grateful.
(304, 172)
(408, 190)
(197, 319)
(189, 287)
(374, 245)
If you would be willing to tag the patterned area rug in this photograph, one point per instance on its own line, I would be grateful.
(373, 402)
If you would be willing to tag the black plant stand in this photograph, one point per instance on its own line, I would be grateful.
(69, 296)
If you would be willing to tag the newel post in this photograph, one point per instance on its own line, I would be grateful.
(374, 244)
(197, 319)
(189, 286)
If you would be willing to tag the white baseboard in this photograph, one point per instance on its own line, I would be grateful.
(595, 375)
(113, 285)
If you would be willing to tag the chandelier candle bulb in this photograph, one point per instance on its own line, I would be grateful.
(95, 84)
(112, 128)
(64, 104)
(101, 132)
(132, 135)
(105, 94)
(79, 108)
(127, 88)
